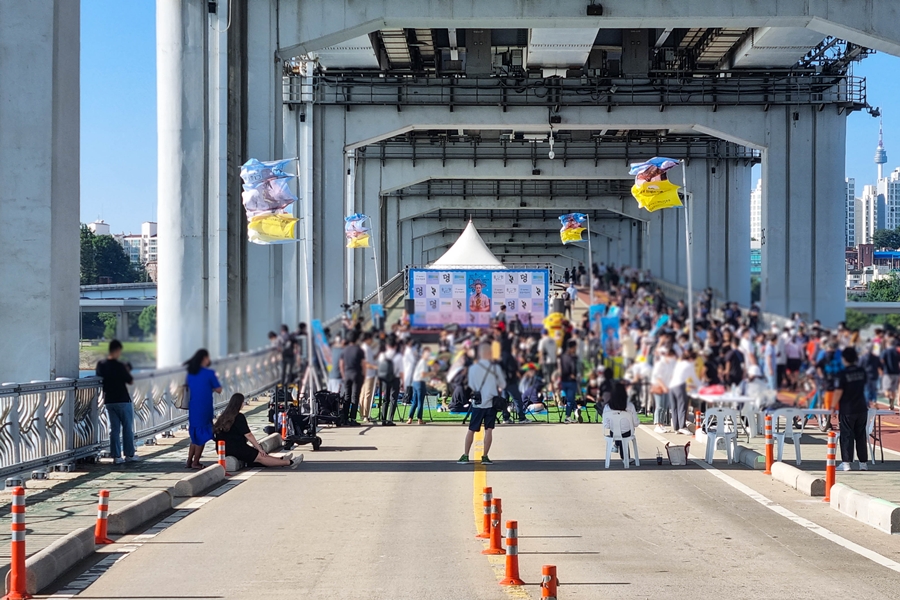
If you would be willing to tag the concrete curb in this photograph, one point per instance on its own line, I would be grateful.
(199, 482)
(875, 512)
(233, 465)
(140, 511)
(271, 443)
(803, 482)
(750, 458)
(45, 566)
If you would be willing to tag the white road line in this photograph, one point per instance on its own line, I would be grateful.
(780, 510)
(86, 579)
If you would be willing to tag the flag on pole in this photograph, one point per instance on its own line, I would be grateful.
(572, 226)
(652, 188)
(266, 197)
(356, 231)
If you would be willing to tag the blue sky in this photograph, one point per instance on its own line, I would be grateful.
(118, 114)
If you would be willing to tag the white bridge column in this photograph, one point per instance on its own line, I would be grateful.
(803, 215)
(39, 198)
(182, 178)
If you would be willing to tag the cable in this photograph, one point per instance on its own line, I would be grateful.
(230, 12)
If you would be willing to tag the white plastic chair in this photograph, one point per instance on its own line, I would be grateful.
(870, 428)
(721, 424)
(618, 422)
(788, 414)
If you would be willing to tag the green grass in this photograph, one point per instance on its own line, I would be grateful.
(140, 354)
(446, 417)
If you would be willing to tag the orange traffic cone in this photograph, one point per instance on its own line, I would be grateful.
(512, 555)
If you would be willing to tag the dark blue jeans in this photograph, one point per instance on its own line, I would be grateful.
(418, 399)
(512, 391)
(121, 422)
(568, 389)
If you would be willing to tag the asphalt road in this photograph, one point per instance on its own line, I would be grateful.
(386, 513)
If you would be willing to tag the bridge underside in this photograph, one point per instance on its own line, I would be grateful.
(423, 115)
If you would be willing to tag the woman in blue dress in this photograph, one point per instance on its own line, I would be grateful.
(202, 382)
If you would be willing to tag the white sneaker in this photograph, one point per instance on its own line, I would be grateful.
(683, 431)
(659, 429)
(134, 458)
(863, 466)
(569, 420)
(844, 467)
(118, 461)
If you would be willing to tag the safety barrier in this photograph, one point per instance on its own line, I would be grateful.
(770, 448)
(17, 581)
(496, 546)
(58, 422)
(830, 467)
(487, 494)
(101, 535)
(512, 555)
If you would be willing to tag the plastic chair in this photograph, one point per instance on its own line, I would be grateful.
(721, 424)
(618, 422)
(870, 429)
(788, 414)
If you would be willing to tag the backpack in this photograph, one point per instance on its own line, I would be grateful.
(386, 368)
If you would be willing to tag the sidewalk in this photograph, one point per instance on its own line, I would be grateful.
(67, 501)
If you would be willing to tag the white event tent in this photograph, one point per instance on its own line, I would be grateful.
(469, 252)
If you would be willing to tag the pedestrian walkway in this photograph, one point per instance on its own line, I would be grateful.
(65, 502)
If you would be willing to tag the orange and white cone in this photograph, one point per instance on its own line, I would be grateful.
(512, 555)
(486, 495)
(284, 432)
(496, 547)
(18, 582)
(100, 534)
(770, 446)
(698, 427)
(549, 582)
(830, 467)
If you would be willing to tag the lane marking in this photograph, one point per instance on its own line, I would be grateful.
(498, 563)
(780, 510)
(121, 551)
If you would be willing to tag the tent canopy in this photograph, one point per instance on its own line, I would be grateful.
(469, 252)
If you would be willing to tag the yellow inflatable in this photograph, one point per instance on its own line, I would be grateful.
(553, 323)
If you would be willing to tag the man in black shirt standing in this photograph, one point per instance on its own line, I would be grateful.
(569, 377)
(890, 360)
(353, 373)
(850, 396)
(116, 376)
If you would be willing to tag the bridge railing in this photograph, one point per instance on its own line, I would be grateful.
(389, 289)
(55, 422)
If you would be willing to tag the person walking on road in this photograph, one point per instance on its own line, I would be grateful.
(853, 410)
(202, 382)
(486, 381)
(116, 377)
(684, 377)
(569, 376)
(352, 372)
(419, 389)
(390, 374)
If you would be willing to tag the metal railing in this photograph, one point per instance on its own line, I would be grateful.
(389, 289)
(715, 89)
(57, 422)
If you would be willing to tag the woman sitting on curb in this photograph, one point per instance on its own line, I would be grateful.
(231, 427)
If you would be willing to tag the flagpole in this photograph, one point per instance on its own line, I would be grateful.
(587, 220)
(687, 247)
(375, 258)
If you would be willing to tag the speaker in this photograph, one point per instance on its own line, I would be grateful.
(594, 10)
(410, 306)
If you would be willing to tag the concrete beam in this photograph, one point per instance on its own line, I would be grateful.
(323, 24)
(416, 207)
(741, 125)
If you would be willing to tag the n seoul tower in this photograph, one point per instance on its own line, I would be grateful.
(880, 152)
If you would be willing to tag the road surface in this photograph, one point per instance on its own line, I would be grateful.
(386, 513)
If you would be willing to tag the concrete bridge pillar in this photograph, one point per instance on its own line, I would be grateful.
(39, 166)
(803, 214)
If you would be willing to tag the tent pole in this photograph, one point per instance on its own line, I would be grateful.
(687, 247)
(590, 260)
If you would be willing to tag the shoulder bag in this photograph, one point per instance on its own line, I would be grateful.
(182, 398)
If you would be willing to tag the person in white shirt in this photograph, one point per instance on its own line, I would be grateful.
(410, 360)
(660, 377)
(684, 377)
(486, 380)
(367, 394)
(419, 386)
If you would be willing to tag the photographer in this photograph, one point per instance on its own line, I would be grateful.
(487, 382)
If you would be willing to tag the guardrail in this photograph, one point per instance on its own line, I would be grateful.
(57, 422)
(388, 289)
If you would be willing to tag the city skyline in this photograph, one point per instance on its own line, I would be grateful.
(118, 115)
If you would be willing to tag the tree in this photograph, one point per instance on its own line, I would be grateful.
(109, 324)
(884, 290)
(103, 256)
(147, 320)
(887, 238)
(88, 265)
